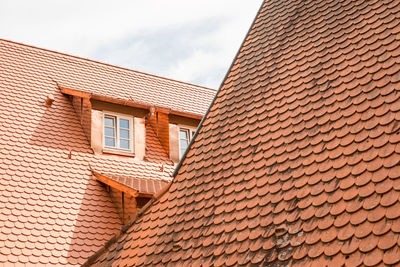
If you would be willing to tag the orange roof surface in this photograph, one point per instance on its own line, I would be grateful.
(142, 186)
(154, 150)
(52, 211)
(111, 81)
(298, 159)
(114, 82)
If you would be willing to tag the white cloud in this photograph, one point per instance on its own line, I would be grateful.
(207, 32)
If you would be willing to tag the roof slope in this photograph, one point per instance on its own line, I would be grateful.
(115, 82)
(140, 185)
(155, 152)
(51, 209)
(298, 159)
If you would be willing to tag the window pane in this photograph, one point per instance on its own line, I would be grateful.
(124, 134)
(110, 142)
(124, 144)
(183, 134)
(109, 132)
(182, 151)
(184, 144)
(109, 121)
(124, 123)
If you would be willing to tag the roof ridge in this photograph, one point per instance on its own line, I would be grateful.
(106, 64)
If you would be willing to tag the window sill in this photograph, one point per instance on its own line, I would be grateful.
(118, 152)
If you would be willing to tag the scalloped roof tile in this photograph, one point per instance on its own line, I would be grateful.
(298, 160)
(51, 209)
(110, 81)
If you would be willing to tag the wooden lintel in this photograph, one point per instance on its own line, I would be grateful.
(128, 103)
(145, 195)
(163, 110)
(187, 115)
(73, 92)
(114, 184)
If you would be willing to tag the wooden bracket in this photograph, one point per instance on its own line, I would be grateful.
(73, 92)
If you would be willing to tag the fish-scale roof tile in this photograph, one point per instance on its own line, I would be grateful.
(302, 144)
(51, 209)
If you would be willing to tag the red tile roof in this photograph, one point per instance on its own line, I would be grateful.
(111, 81)
(51, 209)
(154, 150)
(128, 167)
(140, 185)
(298, 160)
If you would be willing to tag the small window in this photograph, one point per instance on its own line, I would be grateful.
(118, 132)
(185, 135)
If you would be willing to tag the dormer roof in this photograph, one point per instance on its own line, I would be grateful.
(111, 81)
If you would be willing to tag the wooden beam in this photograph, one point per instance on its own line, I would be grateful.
(163, 110)
(123, 206)
(114, 184)
(123, 102)
(73, 92)
(145, 195)
(187, 115)
(129, 103)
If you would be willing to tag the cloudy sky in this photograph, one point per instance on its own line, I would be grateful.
(188, 40)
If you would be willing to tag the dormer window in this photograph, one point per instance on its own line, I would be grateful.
(118, 132)
(185, 135)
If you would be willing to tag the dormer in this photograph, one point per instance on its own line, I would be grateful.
(124, 128)
(136, 134)
(79, 164)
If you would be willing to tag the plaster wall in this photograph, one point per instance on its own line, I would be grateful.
(140, 137)
(169, 138)
(174, 142)
(97, 131)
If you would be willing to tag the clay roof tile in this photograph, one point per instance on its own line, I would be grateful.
(314, 90)
(51, 210)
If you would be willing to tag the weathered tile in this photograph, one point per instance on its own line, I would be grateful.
(308, 116)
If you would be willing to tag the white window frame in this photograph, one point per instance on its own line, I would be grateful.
(191, 132)
(119, 116)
